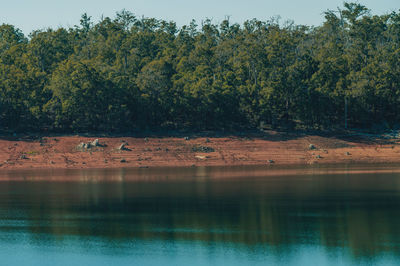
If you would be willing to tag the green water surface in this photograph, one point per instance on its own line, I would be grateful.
(332, 215)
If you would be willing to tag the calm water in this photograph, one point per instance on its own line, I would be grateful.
(201, 216)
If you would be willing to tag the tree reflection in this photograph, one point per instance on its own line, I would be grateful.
(356, 212)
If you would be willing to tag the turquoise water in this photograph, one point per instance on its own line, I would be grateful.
(201, 216)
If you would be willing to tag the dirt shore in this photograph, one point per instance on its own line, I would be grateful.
(261, 149)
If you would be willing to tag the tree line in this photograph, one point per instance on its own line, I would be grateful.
(127, 73)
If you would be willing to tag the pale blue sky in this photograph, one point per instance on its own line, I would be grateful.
(38, 14)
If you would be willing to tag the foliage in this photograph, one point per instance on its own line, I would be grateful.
(131, 73)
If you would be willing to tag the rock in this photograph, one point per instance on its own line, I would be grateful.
(95, 143)
(83, 146)
(123, 147)
(312, 147)
(80, 146)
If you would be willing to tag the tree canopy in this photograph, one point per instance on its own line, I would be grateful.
(129, 73)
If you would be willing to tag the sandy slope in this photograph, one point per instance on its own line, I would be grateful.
(282, 149)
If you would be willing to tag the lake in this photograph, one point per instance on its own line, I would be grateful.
(317, 215)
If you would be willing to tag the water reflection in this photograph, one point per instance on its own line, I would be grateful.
(265, 214)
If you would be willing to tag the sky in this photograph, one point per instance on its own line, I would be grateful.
(31, 15)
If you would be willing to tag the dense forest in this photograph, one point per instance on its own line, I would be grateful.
(127, 73)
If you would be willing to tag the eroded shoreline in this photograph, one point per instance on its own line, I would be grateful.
(269, 149)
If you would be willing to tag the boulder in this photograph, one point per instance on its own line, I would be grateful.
(123, 147)
(312, 147)
(95, 143)
(81, 146)
(84, 146)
